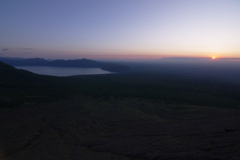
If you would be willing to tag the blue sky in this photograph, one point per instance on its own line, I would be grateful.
(119, 28)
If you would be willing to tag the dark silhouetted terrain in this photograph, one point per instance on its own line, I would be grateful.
(134, 115)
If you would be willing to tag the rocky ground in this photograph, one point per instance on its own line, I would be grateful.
(86, 128)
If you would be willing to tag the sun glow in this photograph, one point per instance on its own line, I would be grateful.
(213, 57)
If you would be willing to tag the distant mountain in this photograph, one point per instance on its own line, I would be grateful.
(83, 63)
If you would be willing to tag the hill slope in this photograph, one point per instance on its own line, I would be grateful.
(118, 116)
(118, 129)
(19, 86)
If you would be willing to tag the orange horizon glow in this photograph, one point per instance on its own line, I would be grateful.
(125, 56)
(146, 29)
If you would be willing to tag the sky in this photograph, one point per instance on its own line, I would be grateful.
(71, 29)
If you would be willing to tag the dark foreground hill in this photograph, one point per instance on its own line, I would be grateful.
(19, 86)
(121, 116)
(83, 63)
(118, 129)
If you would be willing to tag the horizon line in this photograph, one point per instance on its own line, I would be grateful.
(135, 57)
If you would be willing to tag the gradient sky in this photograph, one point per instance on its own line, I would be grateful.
(119, 28)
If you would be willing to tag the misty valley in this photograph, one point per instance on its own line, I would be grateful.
(63, 71)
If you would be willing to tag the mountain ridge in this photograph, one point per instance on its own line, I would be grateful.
(81, 63)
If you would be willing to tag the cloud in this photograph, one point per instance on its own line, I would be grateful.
(5, 49)
(27, 48)
(230, 59)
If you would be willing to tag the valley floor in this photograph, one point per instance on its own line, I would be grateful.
(87, 128)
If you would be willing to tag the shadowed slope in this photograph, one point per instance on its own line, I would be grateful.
(86, 128)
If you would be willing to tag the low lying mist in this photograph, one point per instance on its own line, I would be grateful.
(201, 68)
